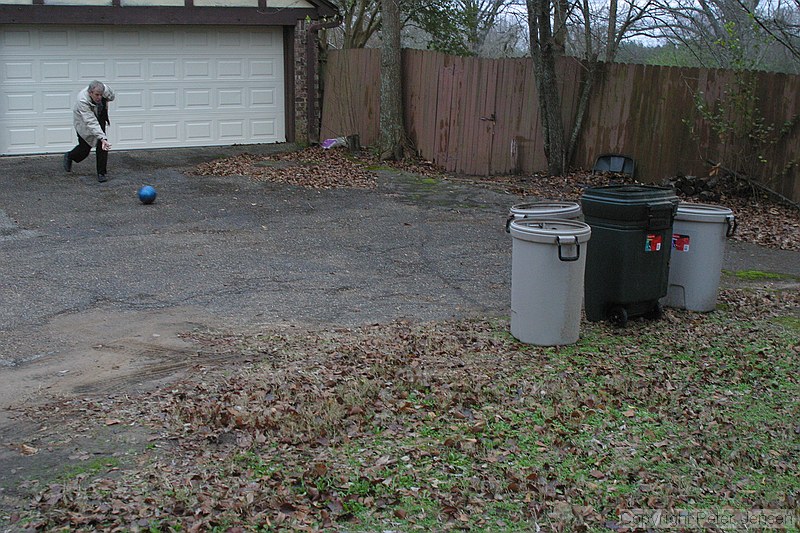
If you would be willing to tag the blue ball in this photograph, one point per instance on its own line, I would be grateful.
(147, 194)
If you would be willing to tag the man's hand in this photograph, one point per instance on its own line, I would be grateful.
(105, 145)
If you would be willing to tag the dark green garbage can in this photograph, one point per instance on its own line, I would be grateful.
(627, 265)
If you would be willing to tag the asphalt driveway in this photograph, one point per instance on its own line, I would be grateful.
(233, 251)
(89, 272)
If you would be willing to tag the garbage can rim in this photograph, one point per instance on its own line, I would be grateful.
(702, 212)
(549, 230)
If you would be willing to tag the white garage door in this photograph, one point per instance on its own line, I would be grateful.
(175, 86)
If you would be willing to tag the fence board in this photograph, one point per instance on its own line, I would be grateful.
(642, 111)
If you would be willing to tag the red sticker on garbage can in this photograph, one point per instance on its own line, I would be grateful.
(653, 243)
(680, 243)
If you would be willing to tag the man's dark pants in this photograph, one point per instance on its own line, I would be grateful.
(81, 152)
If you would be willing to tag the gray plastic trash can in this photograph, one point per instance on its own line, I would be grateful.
(544, 209)
(547, 268)
(699, 235)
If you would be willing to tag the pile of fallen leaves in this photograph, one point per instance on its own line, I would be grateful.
(454, 426)
(761, 219)
(314, 168)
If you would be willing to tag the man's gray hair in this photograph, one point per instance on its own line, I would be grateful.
(95, 85)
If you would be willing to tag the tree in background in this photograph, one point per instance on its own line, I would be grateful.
(735, 34)
(780, 19)
(717, 33)
(459, 27)
(591, 32)
(360, 21)
(392, 130)
(546, 47)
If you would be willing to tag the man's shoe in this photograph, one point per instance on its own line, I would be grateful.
(101, 178)
(67, 163)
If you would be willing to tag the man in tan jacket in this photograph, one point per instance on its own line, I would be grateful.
(90, 116)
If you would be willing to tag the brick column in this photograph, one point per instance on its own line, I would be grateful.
(301, 83)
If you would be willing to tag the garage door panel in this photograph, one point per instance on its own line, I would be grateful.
(93, 70)
(199, 99)
(55, 71)
(23, 137)
(197, 39)
(164, 69)
(262, 69)
(54, 38)
(90, 39)
(174, 86)
(60, 136)
(166, 132)
(231, 129)
(230, 39)
(126, 39)
(164, 100)
(163, 39)
(263, 129)
(263, 97)
(230, 69)
(18, 37)
(20, 104)
(20, 72)
(130, 133)
(198, 131)
(197, 70)
(57, 102)
(231, 98)
(129, 70)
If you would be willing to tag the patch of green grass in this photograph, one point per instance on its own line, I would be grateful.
(756, 275)
(91, 468)
(791, 323)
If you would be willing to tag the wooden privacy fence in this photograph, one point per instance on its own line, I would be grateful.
(480, 116)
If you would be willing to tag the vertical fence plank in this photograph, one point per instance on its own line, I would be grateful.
(444, 113)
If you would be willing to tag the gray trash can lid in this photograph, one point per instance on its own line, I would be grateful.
(550, 230)
(690, 212)
(546, 209)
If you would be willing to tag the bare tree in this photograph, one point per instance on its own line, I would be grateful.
(361, 20)
(780, 19)
(478, 18)
(717, 33)
(392, 130)
(593, 32)
(544, 51)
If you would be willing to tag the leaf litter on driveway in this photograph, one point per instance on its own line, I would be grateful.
(450, 425)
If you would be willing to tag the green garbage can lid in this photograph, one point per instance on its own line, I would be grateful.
(634, 194)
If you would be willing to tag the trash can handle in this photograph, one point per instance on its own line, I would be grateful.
(508, 223)
(731, 225)
(577, 252)
(660, 215)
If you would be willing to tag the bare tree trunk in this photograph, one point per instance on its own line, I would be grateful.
(391, 118)
(544, 51)
(593, 74)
